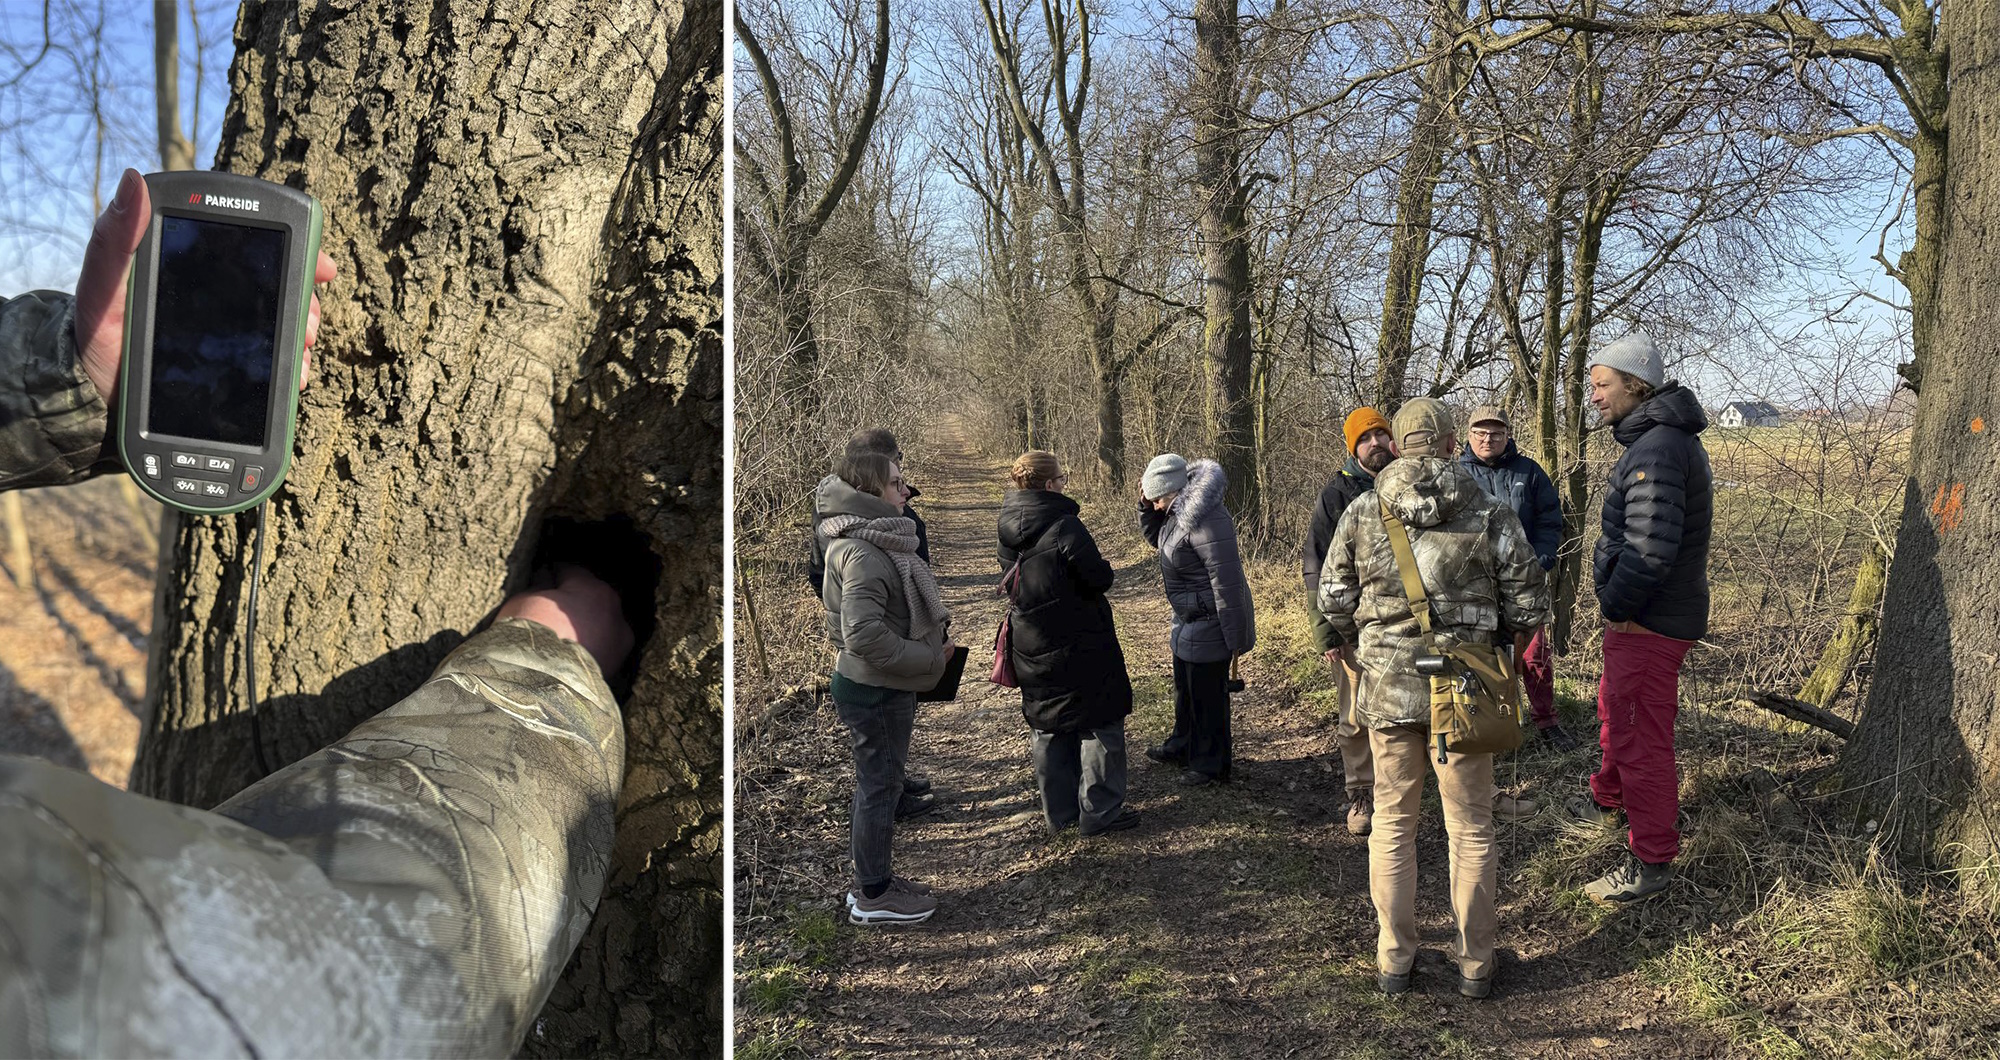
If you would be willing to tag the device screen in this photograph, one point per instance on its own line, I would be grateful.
(215, 325)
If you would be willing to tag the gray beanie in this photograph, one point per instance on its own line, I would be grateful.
(1636, 356)
(1166, 474)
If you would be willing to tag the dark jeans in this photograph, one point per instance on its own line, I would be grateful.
(1201, 717)
(880, 720)
(1082, 776)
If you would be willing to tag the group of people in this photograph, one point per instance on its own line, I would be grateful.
(1483, 523)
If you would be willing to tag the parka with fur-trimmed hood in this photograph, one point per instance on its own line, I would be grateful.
(1479, 572)
(1202, 569)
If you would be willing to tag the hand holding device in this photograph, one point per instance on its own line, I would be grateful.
(217, 307)
(100, 286)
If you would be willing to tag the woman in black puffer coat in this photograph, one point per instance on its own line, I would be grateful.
(1074, 690)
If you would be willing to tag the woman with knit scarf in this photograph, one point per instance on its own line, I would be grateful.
(885, 616)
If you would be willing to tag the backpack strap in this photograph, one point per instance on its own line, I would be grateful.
(1406, 565)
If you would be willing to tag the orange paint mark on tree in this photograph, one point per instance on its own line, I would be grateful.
(1948, 509)
(1978, 424)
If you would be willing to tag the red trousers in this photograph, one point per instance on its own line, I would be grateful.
(1538, 676)
(1637, 700)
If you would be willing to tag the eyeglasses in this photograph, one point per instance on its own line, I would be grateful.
(1486, 435)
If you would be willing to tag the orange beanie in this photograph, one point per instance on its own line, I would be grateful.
(1360, 422)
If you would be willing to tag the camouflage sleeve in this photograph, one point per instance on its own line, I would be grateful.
(1524, 595)
(1340, 577)
(412, 890)
(53, 423)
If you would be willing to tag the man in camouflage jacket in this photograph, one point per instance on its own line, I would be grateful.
(411, 890)
(1484, 585)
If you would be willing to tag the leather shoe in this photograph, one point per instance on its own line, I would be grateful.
(1159, 753)
(916, 785)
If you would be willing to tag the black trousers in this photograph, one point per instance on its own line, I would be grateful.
(1201, 717)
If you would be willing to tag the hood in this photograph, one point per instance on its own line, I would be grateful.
(1672, 406)
(1506, 456)
(1026, 514)
(1427, 490)
(1206, 485)
(835, 497)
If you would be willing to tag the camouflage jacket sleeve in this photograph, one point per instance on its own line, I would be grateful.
(1340, 577)
(1517, 573)
(412, 890)
(53, 423)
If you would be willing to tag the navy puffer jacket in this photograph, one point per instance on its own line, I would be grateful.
(1651, 565)
(1517, 481)
(1066, 654)
(1202, 569)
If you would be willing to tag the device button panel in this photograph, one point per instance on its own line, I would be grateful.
(200, 480)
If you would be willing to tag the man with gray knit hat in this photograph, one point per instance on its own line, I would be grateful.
(1651, 573)
(1483, 583)
(1181, 514)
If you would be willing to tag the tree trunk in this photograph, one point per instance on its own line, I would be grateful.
(1416, 190)
(1855, 637)
(175, 150)
(1926, 752)
(1225, 253)
(527, 325)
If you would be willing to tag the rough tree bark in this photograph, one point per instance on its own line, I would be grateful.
(1225, 252)
(1926, 750)
(523, 197)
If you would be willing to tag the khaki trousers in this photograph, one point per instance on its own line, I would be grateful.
(1355, 758)
(1465, 786)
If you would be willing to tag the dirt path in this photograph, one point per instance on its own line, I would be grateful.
(73, 637)
(1233, 922)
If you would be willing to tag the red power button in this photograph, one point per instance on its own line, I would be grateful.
(253, 477)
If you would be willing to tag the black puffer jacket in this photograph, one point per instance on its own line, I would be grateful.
(1066, 654)
(1651, 565)
(1348, 483)
(1201, 569)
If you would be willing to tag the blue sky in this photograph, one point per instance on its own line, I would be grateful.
(49, 151)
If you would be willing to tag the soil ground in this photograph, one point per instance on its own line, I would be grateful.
(1233, 922)
(73, 630)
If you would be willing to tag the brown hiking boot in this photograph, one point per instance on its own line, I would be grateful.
(1360, 811)
(1509, 808)
(899, 904)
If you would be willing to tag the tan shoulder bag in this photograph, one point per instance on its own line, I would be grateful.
(1475, 689)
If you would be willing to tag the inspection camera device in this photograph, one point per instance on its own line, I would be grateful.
(215, 339)
(215, 329)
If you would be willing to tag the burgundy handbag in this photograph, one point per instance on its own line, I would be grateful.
(1003, 641)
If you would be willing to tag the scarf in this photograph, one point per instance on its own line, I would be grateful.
(897, 536)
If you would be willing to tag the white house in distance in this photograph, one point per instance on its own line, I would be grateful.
(1749, 414)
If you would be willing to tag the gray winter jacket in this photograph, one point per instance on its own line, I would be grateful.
(1202, 569)
(867, 612)
(412, 890)
(54, 428)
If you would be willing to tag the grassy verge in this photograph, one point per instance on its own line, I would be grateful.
(1788, 928)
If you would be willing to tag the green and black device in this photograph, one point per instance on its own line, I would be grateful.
(215, 330)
